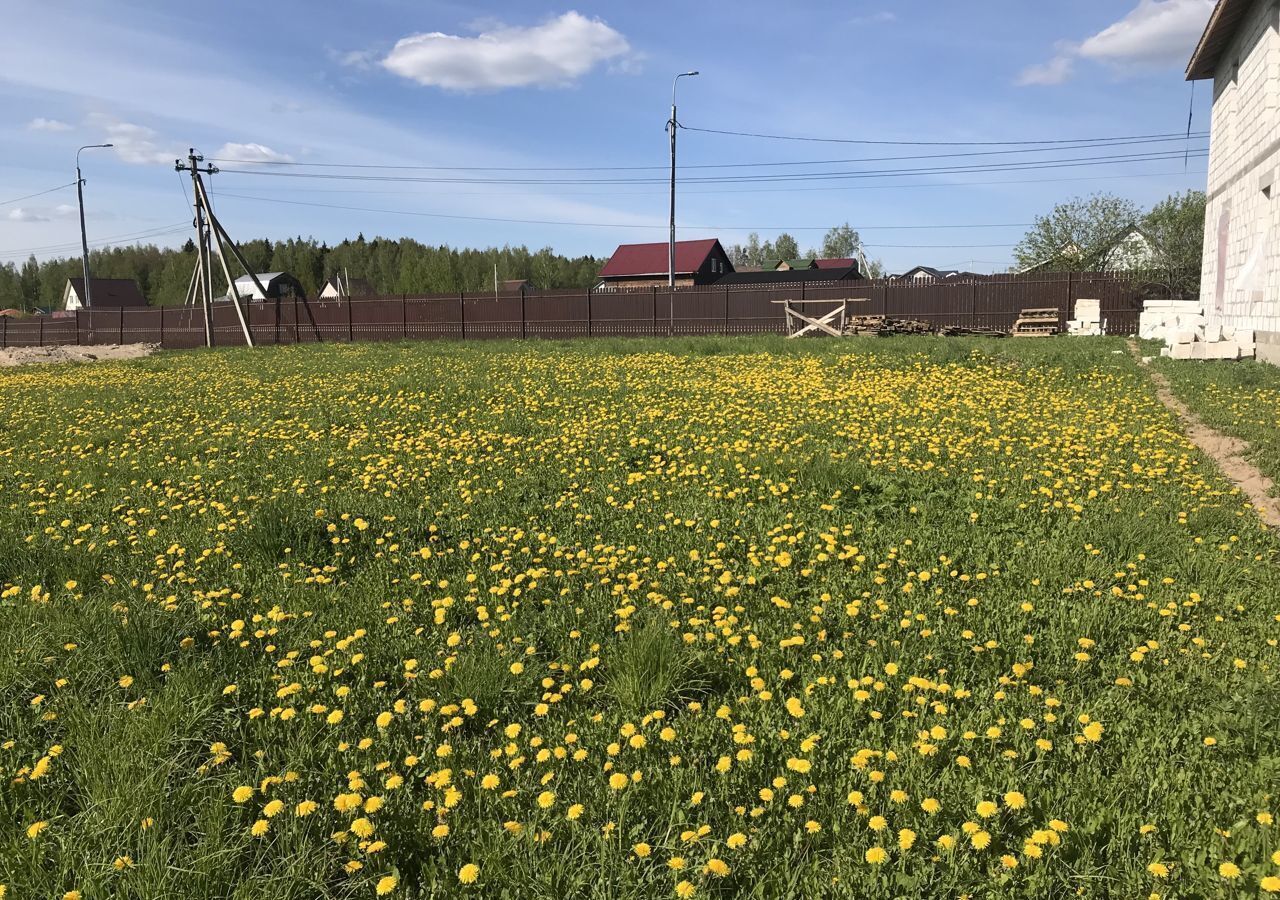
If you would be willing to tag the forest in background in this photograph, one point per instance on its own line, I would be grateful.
(389, 266)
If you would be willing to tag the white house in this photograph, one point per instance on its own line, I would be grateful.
(1131, 250)
(277, 284)
(104, 293)
(1240, 277)
(341, 286)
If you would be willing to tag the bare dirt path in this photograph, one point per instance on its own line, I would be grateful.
(1228, 452)
(21, 356)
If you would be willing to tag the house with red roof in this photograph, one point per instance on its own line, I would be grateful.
(646, 265)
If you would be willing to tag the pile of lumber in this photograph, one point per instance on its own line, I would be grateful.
(1041, 322)
(884, 326)
(975, 330)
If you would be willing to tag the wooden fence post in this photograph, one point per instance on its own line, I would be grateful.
(42, 329)
(588, 312)
(159, 309)
(404, 317)
(297, 327)
(351, 333)
(462, 313)
(1067, 311)
(653, 331)
(4, 331)
(121, 338)
(523, 318)
(726, 309)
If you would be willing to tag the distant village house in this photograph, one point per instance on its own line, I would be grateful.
(276, 284)
(104, 293)
(646, 265)
(340, 286)
(705, 262)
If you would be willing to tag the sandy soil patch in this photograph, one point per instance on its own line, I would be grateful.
(1228, 452)
(21, 356)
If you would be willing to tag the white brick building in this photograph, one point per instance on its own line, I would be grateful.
(1240, 278)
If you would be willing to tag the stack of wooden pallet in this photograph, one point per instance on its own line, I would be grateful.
(1036, 323)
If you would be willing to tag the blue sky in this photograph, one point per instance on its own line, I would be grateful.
(533, 86)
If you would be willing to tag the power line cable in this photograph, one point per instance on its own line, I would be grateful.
(38, 193)
(110, 239)
(826, 140)
(1148, 156)
(1101, 143)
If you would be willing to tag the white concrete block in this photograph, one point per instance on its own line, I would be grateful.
(1200, 350)
(1182, 336)
(1181, 351)
(1166, 352)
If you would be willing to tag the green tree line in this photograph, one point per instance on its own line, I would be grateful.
(389, 266)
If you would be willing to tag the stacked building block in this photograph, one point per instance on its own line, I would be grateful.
(1088, 320)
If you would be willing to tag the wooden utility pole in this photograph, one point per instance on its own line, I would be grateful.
(207, 225)
(203, 284)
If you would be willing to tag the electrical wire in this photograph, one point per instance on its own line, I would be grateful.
(158, 231)
(38, 193)
(826, 140)
(404, 212)
(737, 179)
(1100, 143)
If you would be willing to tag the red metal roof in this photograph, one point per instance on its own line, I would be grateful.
(833, 263)
(651, 259)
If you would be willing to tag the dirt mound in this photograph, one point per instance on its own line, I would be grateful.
(21, 356)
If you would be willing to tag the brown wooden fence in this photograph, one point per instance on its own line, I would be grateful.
(985, 302)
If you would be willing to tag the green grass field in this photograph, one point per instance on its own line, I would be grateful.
(704, 618)
(1238, 398)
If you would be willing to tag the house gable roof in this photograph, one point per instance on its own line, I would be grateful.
(110, 292)
(939, 274)
(788, 276)
(1219, 31)
(636, 260)
(834, 263)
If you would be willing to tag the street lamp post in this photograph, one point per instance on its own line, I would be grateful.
(84, 240)
(671, 126)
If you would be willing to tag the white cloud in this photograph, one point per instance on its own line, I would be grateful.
(1055, 71)
(553, 54)
(134, 143)
(251, 153)
(43, 124)
(1154, 33)
(63, 210)
(20, 214)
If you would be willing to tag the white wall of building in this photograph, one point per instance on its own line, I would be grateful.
(1240, 278)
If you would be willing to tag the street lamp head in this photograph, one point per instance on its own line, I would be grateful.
(694, 72)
